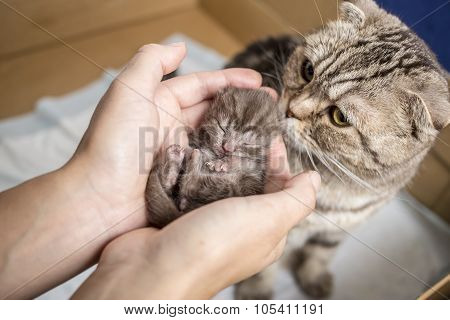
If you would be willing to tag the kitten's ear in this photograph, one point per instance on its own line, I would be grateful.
(351, 13)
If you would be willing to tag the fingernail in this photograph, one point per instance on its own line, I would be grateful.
(315, 179)
(177, 44)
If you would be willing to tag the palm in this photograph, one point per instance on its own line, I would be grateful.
(128, 129)
(123, 141)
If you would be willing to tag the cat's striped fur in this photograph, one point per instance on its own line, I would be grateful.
(395, 99)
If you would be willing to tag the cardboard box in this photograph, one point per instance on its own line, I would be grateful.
(439, 291)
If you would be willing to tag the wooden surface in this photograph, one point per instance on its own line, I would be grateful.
(438, 290)
(56, 69)
(247, 20)
(73, 19)
(431, 186)
(304, 15)
(252, 19)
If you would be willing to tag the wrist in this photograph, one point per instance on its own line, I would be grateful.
(134, 280)
(140, 265)
(111, 215)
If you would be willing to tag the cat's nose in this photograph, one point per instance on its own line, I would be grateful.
(302, 107)
(228, 146)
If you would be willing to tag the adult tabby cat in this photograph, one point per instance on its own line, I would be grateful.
(364, 99)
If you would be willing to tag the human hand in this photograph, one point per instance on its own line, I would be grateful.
(209, 248)
(110, 157)
(70, 214)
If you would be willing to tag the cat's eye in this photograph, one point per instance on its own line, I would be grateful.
(307, 71)
(338, 118)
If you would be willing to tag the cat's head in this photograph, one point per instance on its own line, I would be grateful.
(241, 122)
(365, 91)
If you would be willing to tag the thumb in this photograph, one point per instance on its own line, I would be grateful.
(294, 202)
(144, 71)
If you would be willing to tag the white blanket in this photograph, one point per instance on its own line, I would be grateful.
(404, 232)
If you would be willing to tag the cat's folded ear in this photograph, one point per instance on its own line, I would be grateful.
(351, 13)
(426, 112)
(435, 93)
(358, 11)
(447, 120)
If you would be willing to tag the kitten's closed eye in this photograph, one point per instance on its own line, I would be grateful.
(220, 126)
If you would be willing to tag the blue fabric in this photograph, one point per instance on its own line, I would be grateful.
(434, 30)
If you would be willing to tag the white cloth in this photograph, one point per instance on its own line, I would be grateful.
(44, 139)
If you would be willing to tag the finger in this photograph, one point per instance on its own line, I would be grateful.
(144, 71)
(278, 167)
(288, 206)
(196, 87)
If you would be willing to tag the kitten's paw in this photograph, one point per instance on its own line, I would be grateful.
(172, 166)
(246, 292)
(217, 166)
(175, 153)
(319, 286)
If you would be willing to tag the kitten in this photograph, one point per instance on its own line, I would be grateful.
(226, 157)
(364, 99)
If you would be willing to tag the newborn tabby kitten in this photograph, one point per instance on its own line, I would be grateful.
(364, 99)
(226, 157)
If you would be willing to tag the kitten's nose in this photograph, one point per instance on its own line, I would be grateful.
(228, 146)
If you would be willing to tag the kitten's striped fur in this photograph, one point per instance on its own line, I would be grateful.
(395, 96)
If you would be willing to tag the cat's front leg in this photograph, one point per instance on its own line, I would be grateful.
(257, 287)
(310, 265)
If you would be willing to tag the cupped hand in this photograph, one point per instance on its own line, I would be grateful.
(135, 118)
(209, 248)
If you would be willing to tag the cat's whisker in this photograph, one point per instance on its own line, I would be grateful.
(311, 159)
(442, 141)
(276, 77)
(276, 64)
(267, 56)
(337, 9)
(351, 175)
(321, 156)
(282, 55)
(270, 75)
(318, 11)
(322, 159)
(298, 32)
